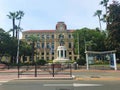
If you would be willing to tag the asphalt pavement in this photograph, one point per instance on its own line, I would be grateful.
(59, 85)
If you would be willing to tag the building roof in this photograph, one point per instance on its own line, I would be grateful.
(42, 31)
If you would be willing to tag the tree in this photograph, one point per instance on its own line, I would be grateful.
(1, 30)
(90, 39)
(98, 13)
(25, 49)
(33, 40)
(5, 41)
(15, 16)
(20, 15)
(105, 4)
(113, 41)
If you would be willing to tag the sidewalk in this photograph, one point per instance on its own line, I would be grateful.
(77, 75)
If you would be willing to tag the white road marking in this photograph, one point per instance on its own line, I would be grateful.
(74, 85)
(85, 85)
(58, 84)
(1, 82)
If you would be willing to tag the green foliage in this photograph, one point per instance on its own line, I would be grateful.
(81, 61)
(15, 16)
(33, 40)
(41, 62)
(92, 39)
(25, 49)
(49, 61)
(7, 45)
(113, 26)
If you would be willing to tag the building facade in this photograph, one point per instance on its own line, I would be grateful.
(49, 40)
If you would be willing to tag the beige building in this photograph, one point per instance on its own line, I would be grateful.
(49, 40)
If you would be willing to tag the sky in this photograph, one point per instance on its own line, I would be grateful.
(44, 14)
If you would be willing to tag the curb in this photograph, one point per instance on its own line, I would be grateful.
(46, 78)
(99, 79)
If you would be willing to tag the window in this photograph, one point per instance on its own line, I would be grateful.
(70, 53)
(69, 36)
(61, 36)
(43, 45)
(42, 53)
(52, 58)
(65, 53)
(24, 58)
(52, 53)
(47, 58)
(43, 37)
(48, 46)
(38, 45)
(37, 58)
(52, 36)
(75, 58)
(30, 58)
(61, 53)
(47, 36)
(47, 53)
(52, 45)
(70, 45)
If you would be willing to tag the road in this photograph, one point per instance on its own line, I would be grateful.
(59, 85)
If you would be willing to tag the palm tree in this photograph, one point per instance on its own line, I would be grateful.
(33, 40)
(98, 13)
(20, 15)
(105, 4)
(13, 15)
(1, 30)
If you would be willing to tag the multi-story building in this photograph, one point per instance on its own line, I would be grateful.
(49, 40)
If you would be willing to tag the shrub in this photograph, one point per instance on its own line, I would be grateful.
(81, 61)
(41, 62)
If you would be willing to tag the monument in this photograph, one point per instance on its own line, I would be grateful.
(61, 52)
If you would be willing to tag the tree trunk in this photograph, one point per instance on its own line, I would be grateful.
(13, 27)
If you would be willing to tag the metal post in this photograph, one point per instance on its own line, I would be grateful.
(87, 62)
(35, 70)
(18, 70)
(78, 46)
(115, 65)
(53, 70)
(70, 70)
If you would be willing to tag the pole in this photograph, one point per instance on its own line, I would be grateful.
(70, 70)
(18, 52)
(115, 65)
(78, 47)
(53, 70)
(87, 61)
(35, 69)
